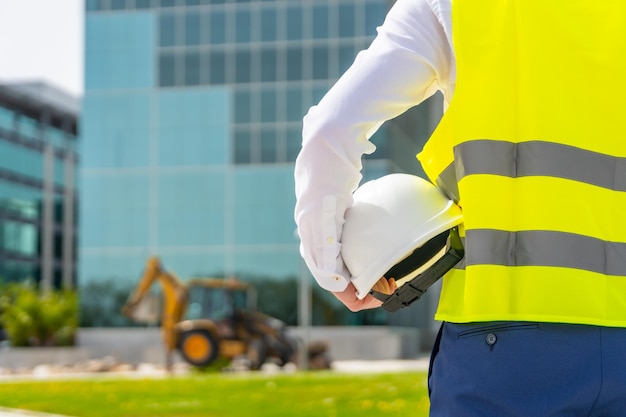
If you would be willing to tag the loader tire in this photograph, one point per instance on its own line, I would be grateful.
(198, 347)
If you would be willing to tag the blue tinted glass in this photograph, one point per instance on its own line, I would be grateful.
(320, 22)
(29, 127)
(167, 29)
(243, 26)
(243, 106)
(374, 16)
(242, 146)
(192, 2)
(121, 205)
(117, 4)
(168, 3)
(347, 53)
(56, 136)
(19, 237)
(294, 64)
(192, 68)
(192, 28)
(193, 126)
(6, 119)
(92, 5)
(294, 23)
(167, 73)
(268, 145)
(294, 142)
(268, 105)
(119, 50)
(295, 110)
(264, 194)
(18, 159)
(380, 140)
(346, 20)
(243, 66)
(320, 63)
(318, 92)
(268, 24)
(143, 4)
(217, 27)
(268, 65)
(217, 73)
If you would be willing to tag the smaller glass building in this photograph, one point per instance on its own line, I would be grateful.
(38, 158)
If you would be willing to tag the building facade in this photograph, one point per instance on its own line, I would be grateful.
(192, 122)
(38, 159)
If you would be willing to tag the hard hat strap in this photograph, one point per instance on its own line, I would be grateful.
(414, 289)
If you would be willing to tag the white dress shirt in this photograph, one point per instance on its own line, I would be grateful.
(410, 59)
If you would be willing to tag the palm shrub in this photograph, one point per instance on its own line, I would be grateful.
(31, 318)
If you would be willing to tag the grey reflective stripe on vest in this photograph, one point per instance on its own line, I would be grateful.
(533, 158)
(538, 247)
(544, 248)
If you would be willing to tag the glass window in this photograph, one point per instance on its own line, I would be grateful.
(192, 2)
(243, 26)
(243, 106)
(217, 74)
(92, 5)
(168, 3)
(294, 64)
(320, 63)
(6, 119)
(320, 22)
(167, 29)
(192, 28)
(347, 16)
(118, 4)
(294, 23)
(319, 91)
(167, 69)
(374, 16)
(380, 140)
(212, 1)
(29, 127)
(243, 66)
(268, 146)
(269, 59)
(143, 4)
(294, 104)
(217, 27)
(192, 68)
(268, 105)
(56, 136)
(242, 147)
(347, 53)
(294, 142)
(268, 25)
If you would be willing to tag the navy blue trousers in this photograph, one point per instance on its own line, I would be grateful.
(520, 369)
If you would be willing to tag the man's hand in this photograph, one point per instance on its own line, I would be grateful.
(349, 299)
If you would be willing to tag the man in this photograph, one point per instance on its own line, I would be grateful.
(532, 149)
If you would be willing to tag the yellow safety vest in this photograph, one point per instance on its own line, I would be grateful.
(533, 148)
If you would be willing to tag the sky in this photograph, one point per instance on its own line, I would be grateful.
(43, 40)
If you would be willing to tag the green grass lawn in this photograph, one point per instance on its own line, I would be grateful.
(226, 395)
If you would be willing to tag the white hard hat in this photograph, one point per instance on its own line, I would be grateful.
(398, 221)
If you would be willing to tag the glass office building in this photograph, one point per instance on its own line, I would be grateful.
(38, 157)
(192, 122)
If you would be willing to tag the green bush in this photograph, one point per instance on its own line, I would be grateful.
(31, 318)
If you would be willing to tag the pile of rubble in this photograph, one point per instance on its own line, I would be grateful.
(93, 366)
(110, 365)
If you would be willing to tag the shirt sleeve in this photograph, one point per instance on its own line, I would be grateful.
(406, 63)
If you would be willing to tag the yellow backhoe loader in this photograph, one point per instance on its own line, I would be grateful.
(209, 318)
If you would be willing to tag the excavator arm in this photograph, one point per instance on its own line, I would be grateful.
(174, 294)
